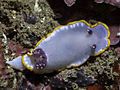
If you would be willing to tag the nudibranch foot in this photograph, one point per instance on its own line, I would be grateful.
(67, 46)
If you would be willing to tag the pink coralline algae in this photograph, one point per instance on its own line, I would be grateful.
(16, 48)
(113, 37)
(112, 2)
(95, 87)
(117, 50)
(69, 3)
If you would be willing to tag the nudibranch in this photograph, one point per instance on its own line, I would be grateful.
(67, 46)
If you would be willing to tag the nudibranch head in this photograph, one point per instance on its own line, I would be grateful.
(68, 46)
(102, 32)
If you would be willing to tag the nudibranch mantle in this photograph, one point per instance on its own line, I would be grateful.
(67, 46)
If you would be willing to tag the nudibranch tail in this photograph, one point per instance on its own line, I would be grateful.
(16, 63)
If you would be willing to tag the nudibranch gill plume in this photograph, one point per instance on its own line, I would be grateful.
(67, 46)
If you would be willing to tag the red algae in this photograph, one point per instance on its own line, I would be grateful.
(116, 86)
(16, 48)
(113, 37)
(112, 2)
(95, 87)
(117, 50)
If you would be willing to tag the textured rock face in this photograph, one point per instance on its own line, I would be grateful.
(69, 3)
(112, 2)
(113, 37)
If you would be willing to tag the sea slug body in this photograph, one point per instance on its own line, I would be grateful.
(67, 46)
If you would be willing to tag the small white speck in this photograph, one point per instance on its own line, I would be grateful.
(118, 34)
(37, 65)
(43, 19)
(26, 62)
(66, 27)
(36, 6)
(82, 24)
(28, 27)
(14, 17)
(73, 25)
(13, 54)
(77, 24)
(41, 67)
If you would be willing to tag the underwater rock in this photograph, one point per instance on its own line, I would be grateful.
(116, 68)
(48, 87)
(15, 48)
(112, 2)
(69, 3)
(99, 1)
(113, 36)
(117, 50)
(30, 18)
(2, 64)
(4, 19)
(57, 83)
(95, 87)
(83, 80)
(24, 84)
